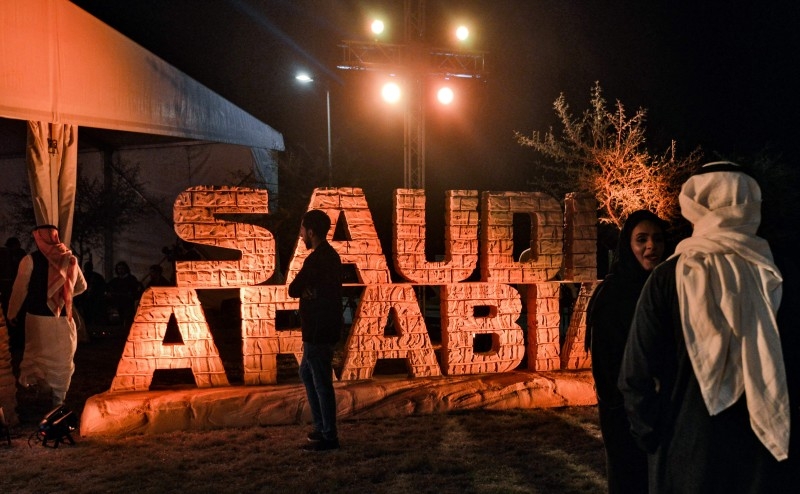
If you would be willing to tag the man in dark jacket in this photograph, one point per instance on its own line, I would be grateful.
(318, 285)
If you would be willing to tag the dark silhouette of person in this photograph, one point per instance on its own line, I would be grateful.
(124, 290)
(92, 302)
(10, 256)
(155, 277)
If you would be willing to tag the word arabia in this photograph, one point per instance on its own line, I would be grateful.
(562, 242)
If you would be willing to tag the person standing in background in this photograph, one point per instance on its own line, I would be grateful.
(92, 301)
(155, 277)
(124, 290)
(10, 256)
(641, 247)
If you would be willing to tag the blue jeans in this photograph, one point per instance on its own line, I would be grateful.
(316, 371)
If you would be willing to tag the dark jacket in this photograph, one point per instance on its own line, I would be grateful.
(318, 285)
(611, 311)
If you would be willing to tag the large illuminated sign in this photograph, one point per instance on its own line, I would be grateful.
(478, 229)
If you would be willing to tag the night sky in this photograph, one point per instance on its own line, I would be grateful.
(721, 75)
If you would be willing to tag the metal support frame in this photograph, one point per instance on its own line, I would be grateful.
(416, 62)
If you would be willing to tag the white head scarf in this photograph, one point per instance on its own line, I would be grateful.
(729, 290)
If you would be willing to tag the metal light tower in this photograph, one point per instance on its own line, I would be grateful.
(416, 61)
(305, 79)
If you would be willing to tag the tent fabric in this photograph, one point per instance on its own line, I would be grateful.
(59, 64)
(61, 68)
(265, 170)
(178, 168)
(166, 171)
(52, 162)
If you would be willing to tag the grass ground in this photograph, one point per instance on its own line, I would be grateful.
(520, 451)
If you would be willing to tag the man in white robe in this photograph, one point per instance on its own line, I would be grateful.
(46, 281)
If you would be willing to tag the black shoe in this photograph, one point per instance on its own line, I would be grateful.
(324, 445)
(315, 436)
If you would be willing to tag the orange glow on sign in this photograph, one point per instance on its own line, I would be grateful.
(478, 226)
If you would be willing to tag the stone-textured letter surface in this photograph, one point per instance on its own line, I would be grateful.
(574, 354)
(195, 218)
(479, 320)
(580, 237)
(460, 325)
(544, 320)
(145, 350)
(461, 237)
(368, 342)
(362, 247)
(261, 341)
(497, 237)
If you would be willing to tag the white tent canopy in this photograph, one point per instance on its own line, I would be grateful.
(61, 68)
(58, 64)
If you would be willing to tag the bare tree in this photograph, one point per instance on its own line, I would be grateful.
(100, 208)
(104, 209)
(604, 153)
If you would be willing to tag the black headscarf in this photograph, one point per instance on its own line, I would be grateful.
(625, 267)
(625, 263)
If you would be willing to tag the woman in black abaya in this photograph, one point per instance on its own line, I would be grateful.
(641, 248)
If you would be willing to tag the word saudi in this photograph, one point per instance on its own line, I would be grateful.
(477, 227)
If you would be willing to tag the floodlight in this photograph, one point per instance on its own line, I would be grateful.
(445, 95)
(391, 92)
